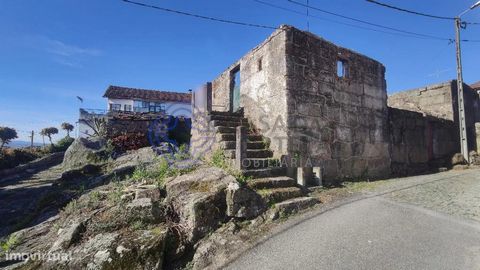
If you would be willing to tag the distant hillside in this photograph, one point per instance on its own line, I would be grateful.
(20, 144)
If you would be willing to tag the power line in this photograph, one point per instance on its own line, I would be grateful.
(199, 16)
(416, 12)
(338, 22)
(370, 23)
(410, 11)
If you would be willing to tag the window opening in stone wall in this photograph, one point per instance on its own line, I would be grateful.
(341, 68)
(260, 62)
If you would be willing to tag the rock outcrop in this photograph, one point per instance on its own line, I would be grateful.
(199, 200)
(84, 151)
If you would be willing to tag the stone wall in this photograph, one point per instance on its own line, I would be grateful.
(420, 143)
(155, 128)
(339, 123)
(441, 101)
(435, 100)
(262, 87)
(204, 140)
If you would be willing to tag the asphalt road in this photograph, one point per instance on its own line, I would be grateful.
(377, 232)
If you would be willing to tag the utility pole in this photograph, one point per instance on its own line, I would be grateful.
(31, 139)
(461, 102)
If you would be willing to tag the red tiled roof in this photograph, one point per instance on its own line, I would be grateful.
(475, 86)
(120, 92)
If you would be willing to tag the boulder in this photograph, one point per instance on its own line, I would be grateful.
(199, 200)
(474, 158)
(83, 152)
(146, 210)
(458, 159)
(142, 249)
(243, 202)
(134, 158)
(68, 235)
(148, 191)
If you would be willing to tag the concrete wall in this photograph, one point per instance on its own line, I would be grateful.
(420, 143)
(340, 124)
(262, 88)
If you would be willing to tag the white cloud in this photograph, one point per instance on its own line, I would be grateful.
(62, 53)
(60, 48)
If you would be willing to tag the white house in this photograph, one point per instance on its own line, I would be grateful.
(134, 100)
(143, 100)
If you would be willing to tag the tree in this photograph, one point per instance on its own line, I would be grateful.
(67, 127)
(6, 135)
(49, 131)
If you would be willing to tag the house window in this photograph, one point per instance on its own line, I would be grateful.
(260, 64)
(115, 107)
(140, 106)
(127, 108)
(156, 107)
(342, 68)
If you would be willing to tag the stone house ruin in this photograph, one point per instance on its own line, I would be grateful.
(316, 104)
(321, 110)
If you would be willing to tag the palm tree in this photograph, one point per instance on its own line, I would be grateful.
(67, 127)
(49, 131)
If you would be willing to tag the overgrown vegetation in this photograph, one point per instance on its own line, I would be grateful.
(12, 157)
(219, 160)
(125, 142)
(162, 169)
(10, 243)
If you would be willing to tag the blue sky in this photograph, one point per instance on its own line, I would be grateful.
(54, 50)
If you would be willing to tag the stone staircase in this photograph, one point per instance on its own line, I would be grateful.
(267, 177)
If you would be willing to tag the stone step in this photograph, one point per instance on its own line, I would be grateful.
(276, 195)
(292, 206)
(272, 182)
(255, 145)
(230, 145)
(252, 153)
(218, 123)
(259, 163)
(225, 129)
(233, 137)
(266, 172)
(227, 118)
(226, 113)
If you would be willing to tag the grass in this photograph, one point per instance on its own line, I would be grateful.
(219, 160)
(11, 242)
(138, 225)
(72, 207)
(115, 196)
(160, 170)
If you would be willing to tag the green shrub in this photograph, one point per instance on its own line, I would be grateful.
(10, 158)
(63, 144)
(11, 242)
